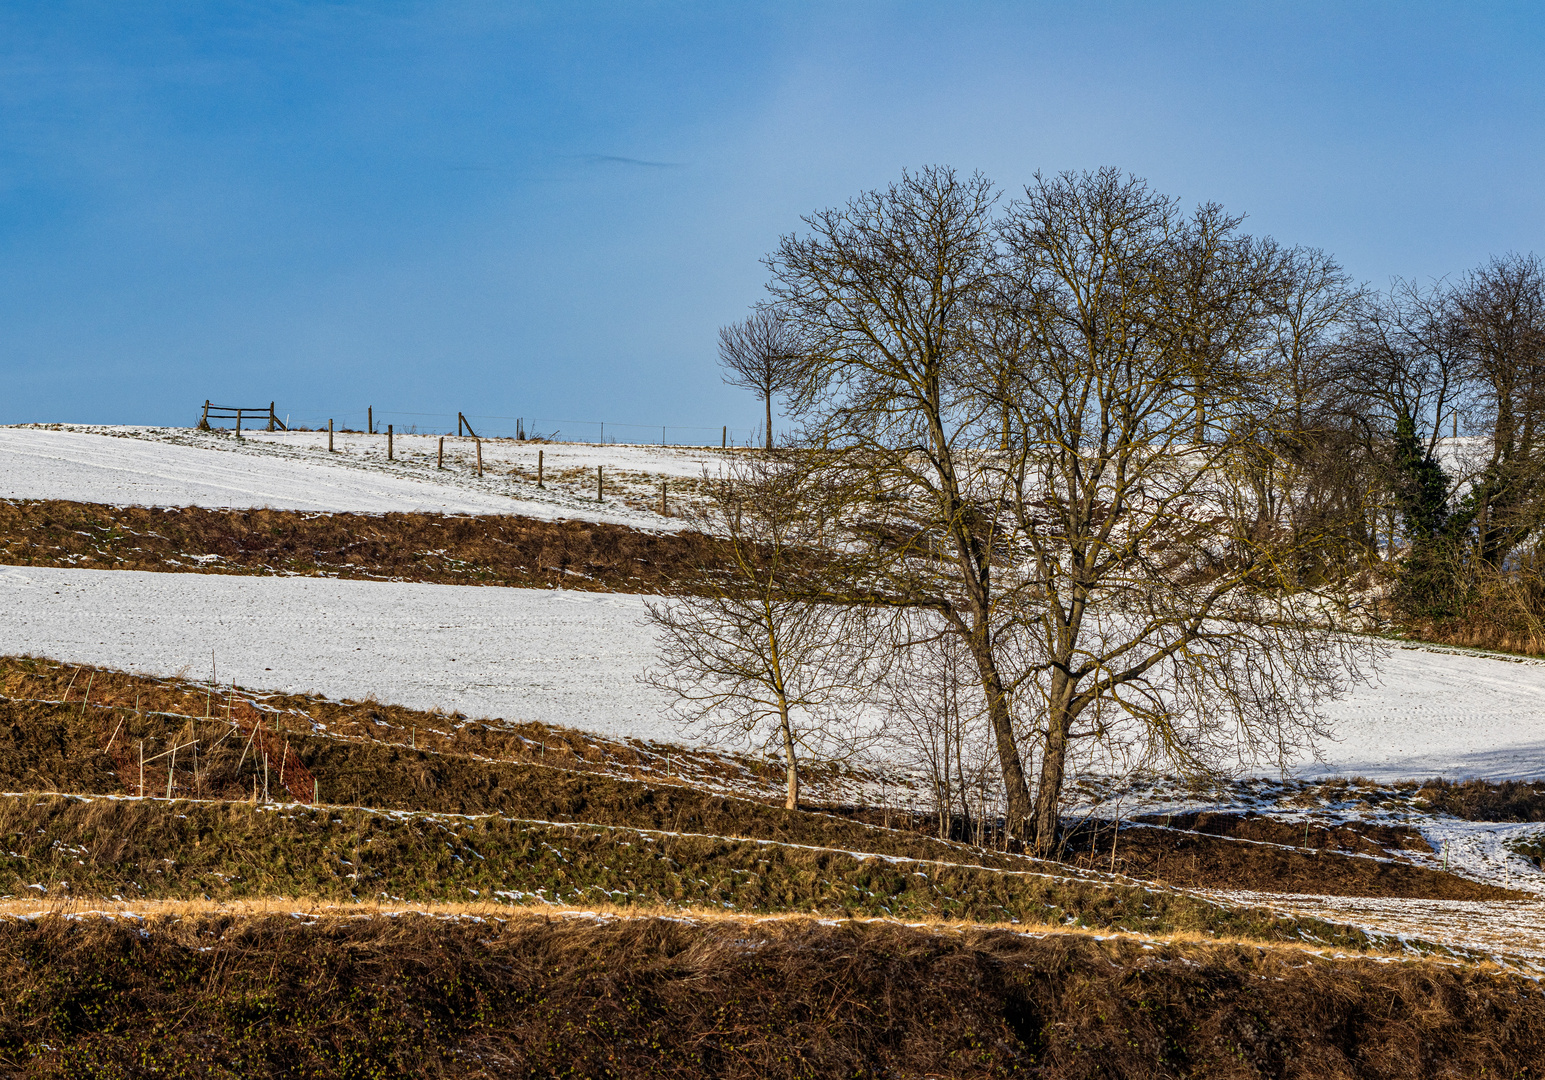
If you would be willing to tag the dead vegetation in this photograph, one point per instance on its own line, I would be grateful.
(473, 821)
(447, 549)
(533, 996)
(81, 848)
(89, 691)
(1361, 837)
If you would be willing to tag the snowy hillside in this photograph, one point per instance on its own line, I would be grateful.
(572, 658)
(294, 471)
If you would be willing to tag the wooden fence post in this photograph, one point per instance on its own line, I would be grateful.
(271, 416)
(204, 421)
(238, 423)
(662, 498)
(724, 437)
(440, 458)
(539, 468)
(600, 485)
(329, 435)
(479, 457)
(388, 442)
(370, 419)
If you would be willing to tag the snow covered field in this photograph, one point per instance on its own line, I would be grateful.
(571, 658)
(521, 654)
(294, 471)
(1440, 712)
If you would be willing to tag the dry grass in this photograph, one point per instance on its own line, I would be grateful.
(220, 938)
(36, 680)
(1484, 800)
(60, 847)
(93, 689)
(311, 907)
(544, 994)
(1202, 850)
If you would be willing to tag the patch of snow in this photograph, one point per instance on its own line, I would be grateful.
(1497, 929)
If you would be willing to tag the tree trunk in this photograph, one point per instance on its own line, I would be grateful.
(1048, 793)
(791, 799)
(767, 398)
(965, 795)
(1016, 787)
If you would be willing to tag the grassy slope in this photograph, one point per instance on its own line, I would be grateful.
(59, 747)
(538, 997)
(83, 847)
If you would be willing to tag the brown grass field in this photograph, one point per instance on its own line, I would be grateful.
(478, 900)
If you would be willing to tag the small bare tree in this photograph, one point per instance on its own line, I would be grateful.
(936, 720)
(750, 661)
(761, 353)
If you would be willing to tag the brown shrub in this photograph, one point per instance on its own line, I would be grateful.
(1273, 862)
(1485, 800)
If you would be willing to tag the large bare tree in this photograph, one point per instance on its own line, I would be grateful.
(887, 291)
(761, 353)
(1060, 429)
(1164, 609)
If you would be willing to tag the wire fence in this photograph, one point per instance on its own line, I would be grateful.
(530, 427)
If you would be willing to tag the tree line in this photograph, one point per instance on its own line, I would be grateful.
(1078, 473)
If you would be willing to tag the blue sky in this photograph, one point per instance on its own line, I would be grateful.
(546, 210)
